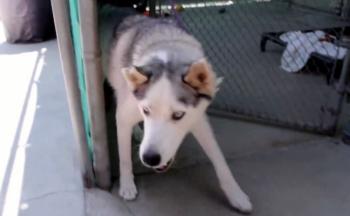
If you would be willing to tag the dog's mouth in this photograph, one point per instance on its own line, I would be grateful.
(165, 167)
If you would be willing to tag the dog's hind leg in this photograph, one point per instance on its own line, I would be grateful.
(126, 116)
(204, 134)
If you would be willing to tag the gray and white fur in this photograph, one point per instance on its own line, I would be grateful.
(161, 76)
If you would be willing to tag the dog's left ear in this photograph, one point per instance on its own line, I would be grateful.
(134, 77)
(201, 77)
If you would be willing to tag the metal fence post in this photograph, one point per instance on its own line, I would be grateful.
(345, 11)
(152, 8)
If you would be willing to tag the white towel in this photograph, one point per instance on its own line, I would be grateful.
(301, 45)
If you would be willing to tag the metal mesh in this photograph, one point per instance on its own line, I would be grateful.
(255, 85)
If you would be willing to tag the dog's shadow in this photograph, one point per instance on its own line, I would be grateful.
(206, 184)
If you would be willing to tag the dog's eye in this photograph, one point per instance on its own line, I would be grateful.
(177, 115)
(145, 111)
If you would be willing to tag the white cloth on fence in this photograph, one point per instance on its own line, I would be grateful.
(301, 45)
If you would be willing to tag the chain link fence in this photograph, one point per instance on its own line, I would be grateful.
(280, 59)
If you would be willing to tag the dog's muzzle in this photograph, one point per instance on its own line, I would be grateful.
(165, 167)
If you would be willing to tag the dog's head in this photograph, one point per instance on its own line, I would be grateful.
(171, 98)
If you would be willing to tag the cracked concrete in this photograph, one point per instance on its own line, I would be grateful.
(54, 193)
(102, 203)
(55, 204)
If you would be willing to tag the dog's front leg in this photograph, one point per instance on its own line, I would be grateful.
(126, 119)
(204, 134)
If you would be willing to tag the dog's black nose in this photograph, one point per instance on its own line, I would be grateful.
(151, 158)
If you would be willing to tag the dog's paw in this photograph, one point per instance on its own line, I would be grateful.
(239, 200)
(128, 191)
(242, 203)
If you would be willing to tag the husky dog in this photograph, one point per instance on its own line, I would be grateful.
(161, 77)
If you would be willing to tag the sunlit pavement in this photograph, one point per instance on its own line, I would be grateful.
(39, 170)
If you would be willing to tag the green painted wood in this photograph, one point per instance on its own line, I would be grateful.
(77, 43)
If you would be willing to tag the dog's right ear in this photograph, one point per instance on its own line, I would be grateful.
(134, 77)
(201, 77)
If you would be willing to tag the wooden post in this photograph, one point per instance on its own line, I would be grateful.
(62, 25)
(94, 85)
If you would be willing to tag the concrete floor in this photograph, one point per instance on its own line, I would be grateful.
(308, 179)
(39, 169)
(284, 172)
